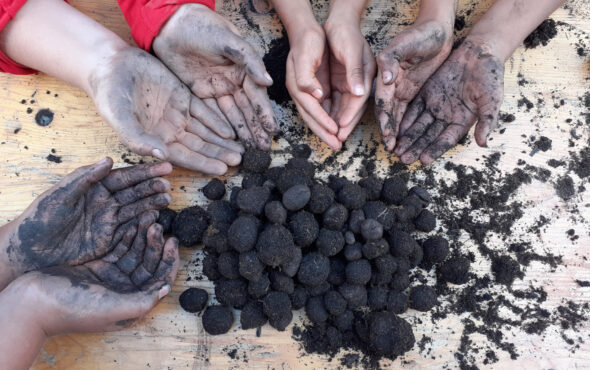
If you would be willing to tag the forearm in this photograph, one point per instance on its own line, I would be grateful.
(348, 11)
(522, 16)
(437, 10)
(7, 269)
(296, 15)
(52, 37)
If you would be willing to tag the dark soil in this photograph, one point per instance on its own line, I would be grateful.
(44, 117)
(542, 34)
(275, 62)
(54, 158)
(218, 320)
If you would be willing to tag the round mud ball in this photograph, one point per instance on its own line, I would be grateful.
(274, 173)
(353, 252)
(375, 248)
(258, 289)
(315, 310)
(377, 298)
(403, 265)
(344, 321)
(386, 264)
(334, 302)
(210, 267)
(227, 264)
(275, 212)
(321, 198)
(422, 298)
(281, 282)
(352, 196)
(436, 249)
(314, 269)
(372, 186)
(380, 278)
(355, 295)
(274, 245)
(334, 337)
(416, 256)
(426, 221)
(298, 297)
(301, 151)
(296, 197)
(401, 243)
(221, 211)
(318, 290)
(335, 216)
(337, 274)
(252, 315)
(389, 334)
(233, 197)
(253, 200)
(302, 164)
(329, 242)
(166, 218)
(349, 237)
(232, 292)
(193, 299)
(394, 190)
(358, 272)
(377, 210)
(355, 220)
(277, 307)
(250, 266)
(190, 225)
(215, 237)
(304, 227)
(255, 160)
(421, 193)
(291, 266)
(397, 302)
(218, 320)
(290, 178)
(371, 229)
(251, 180)
(214, 190)
(506, 269)
(337, 182)
(399, 282)
(455, 270)
(243, 233)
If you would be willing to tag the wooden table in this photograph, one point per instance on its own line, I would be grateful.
(171, 338)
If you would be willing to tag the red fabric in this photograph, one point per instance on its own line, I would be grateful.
(146, 17)
(8, 9)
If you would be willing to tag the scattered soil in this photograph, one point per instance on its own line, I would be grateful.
(275, 62)
(44, 117)
(542, 34)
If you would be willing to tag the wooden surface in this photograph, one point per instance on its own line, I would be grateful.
(172, 338)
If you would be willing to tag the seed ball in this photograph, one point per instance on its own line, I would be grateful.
(358, 272)
(290, 178)
(274, 173)
(215, 237)
(299, 297)
(304, 227)
(371, 229)
(301, 151)
(377, 298)
(386, 264)
(402, 244)
(214, 190)
(232, 292)
(275, 212)
(422, 298)
(217, 320)
(355, 295)
(337, 274)
(277, 307)
(250, 266)
(372, 186)
(166, 218)
(334, 302)
(454, 270)
(228, 266)
(321, 198)
(210, 267)
(399, 282)
(193, 299)
(252, 315)
(436, 249)
(353, 252)
(375, 248)
(274, 245)
(349, 237)
(318, 290)
(243, 233)
(233, 197)
(315, 310)
(255, 160)
(314, 269)
(253, 200)
(296, 197)
(421, 193)
(291, 267)
(259, 288)
(394, 190)
(426, 221)
(335, 216)
(397, 302)
(303, 165)
(352, 196)
(344, 321)
(190, 225)
(355, 220)
(221, 211)
(281, 282)
(329, 242)
(377, 210)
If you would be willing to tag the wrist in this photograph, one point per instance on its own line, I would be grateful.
(300, 32)
(441, 11)
(492, 43)
(101, 60)
(170, 29)
(9, 270)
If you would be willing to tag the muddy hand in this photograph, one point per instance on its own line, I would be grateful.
(207, 53)
(467, 88)
(404, 66)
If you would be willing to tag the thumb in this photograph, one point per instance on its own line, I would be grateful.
(142, 143)
(79, 181)
(486, 122)
(305, 68)
(388, 66)
(353, 62)
(242, 53)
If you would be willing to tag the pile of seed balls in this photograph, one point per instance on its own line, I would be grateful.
(342, 251)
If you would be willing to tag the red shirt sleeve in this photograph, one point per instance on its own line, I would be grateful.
(146, 17)
(8, 9)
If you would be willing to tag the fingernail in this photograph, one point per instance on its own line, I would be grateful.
(387, 77)
(164, 291)
(359, 90)
(268, 77)
(317, 93)
(158, 154)
(103, 161)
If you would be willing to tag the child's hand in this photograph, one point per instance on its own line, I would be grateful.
(467, 88)
(404, 66)
(85, 215)
(208, 54)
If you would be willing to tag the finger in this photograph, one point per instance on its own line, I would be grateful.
(327, 105)
(261, 138)
(355, 73)
(153, 202)
(229, 107)
(388, 67)
(196, 144)
(197, 128)
(123, 245)
(134, 256)
(142, 143)
(487, 122)
(241, 52)
(142, 190)
(303, 71)
(108, 275)
(168, 265)
(416, 108)
(151, 256)
(122, 178)
(262, 106)
(384, 106)
(77, 183)
(328, 138)
(347, 130)
(356, 106)
(210, 118)
(212, 104)
(446, 140)
(336, 104)
(407, 139)
(184, 157)
(423, 142)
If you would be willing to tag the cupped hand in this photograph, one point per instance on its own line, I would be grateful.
(85, 215)
(155, 114)
(404, 66)
(352, 69)
(104, 293)
(468, 87)
(308, 82)
(208, 54)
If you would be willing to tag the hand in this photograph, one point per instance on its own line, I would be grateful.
(352, 69)
(85, 215)
(155, 114)
(404, 66)
(104, 293)
(468, 87)
(207, 53)
(308, 82)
